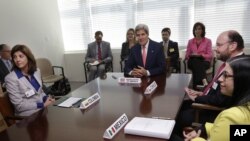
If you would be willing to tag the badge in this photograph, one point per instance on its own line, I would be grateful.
(215, 85)
(171, 50)
(30, 93)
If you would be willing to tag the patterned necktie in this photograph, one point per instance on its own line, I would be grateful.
(144, 55)
(216, 77)
(99, 52)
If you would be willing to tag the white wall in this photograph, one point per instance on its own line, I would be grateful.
(34, 23)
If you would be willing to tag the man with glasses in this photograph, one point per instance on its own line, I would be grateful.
(229, 44)
(5, 61)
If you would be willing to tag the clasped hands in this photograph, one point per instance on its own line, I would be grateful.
(139, 72)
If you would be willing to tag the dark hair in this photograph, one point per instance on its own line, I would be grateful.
(241, 68)
(97, 33)
(202, 27)
(166, 29)
(2, 46)
(234, 36)
(26, 51)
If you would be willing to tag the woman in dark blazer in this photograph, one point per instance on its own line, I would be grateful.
(126, 46)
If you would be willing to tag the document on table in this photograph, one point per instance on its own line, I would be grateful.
(151, 127)
(69, 102)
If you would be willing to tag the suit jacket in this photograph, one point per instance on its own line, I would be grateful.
(92, 52)
(155, 61)
(3, 71)
(17, 87)
(220, 129)
(214, 96)
(173, 53)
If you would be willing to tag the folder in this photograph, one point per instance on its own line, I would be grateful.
(150, 127)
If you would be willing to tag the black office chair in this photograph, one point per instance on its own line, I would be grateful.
(108, 67)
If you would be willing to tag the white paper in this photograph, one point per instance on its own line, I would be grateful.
(69, 102)
(150, 127)
(94, 63)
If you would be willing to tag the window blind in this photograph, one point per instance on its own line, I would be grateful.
(81, 18)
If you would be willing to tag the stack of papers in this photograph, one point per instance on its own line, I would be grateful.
(151, 127)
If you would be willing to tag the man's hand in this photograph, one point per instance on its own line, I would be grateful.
(139, 72)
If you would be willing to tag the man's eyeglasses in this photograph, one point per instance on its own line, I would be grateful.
(226, 75)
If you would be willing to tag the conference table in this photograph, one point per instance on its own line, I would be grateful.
(73, 124)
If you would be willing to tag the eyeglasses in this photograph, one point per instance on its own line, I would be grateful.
(226, 75)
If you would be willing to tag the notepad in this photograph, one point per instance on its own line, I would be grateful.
(69, 102)
(158, 128)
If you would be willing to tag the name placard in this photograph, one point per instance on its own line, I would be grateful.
(89, 101)
(151, 88)
(116, 127)
(124, 80)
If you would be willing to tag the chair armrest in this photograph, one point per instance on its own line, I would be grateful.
(206, 107)
(58, 67)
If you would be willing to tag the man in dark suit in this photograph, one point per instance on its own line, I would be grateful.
(229, 44)
(147, 57)
(170, 49)
(98, 55)
(5, 61)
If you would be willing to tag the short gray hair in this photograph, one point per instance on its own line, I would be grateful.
(142, 27)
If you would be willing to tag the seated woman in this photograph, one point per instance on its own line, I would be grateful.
(199, 54)
(234, 82)
(126, 46)
(24, 84)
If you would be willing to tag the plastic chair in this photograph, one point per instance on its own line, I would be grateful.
(47, 71)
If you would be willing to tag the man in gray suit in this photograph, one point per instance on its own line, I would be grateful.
(5, 61)
(98, 55)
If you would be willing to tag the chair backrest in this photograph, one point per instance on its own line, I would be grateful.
(45, 66)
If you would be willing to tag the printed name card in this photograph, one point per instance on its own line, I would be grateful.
(116, 127)
(151, 88)
(129, 80)
(89, 101)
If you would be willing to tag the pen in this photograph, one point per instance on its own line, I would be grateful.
(114, 77)
(166, 118)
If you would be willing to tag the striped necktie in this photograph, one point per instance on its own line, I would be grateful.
(216, 77)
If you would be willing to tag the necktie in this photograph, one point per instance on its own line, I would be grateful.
(99, 52)
(208, 87)
(165, 48)
(144, 55)
(8, 65)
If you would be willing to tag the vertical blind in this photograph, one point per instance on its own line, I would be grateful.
(81, 18)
